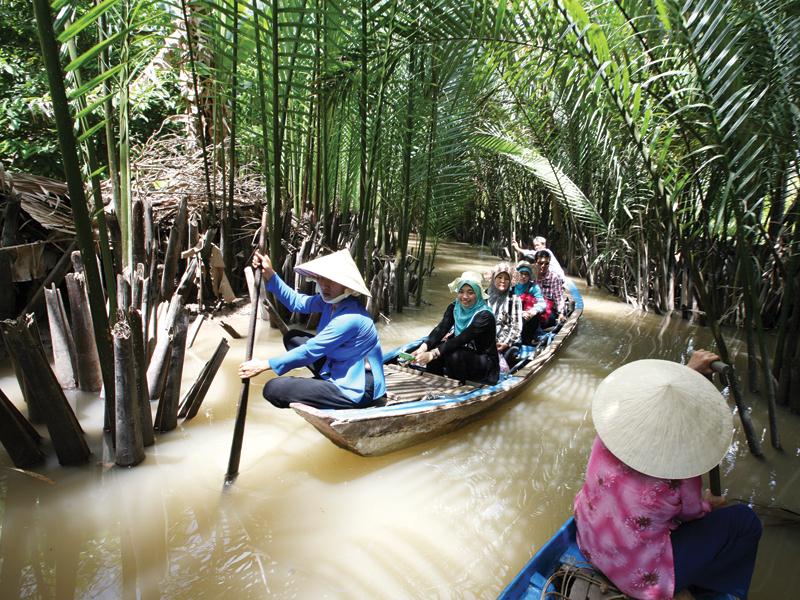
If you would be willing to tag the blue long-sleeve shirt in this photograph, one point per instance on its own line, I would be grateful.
(345, 336)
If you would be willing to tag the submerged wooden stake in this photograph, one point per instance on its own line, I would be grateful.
(177, 235)
(194, 397)
(194, 329)
(89, 374)
(167, 413)
(140, 377)
(35, 412)
(20, 439)
(22, 339)
(155, 370)
(129, 447)
(64, 354)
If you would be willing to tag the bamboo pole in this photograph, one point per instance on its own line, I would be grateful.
(241, 410)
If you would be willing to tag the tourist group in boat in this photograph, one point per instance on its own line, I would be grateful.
(642, 517)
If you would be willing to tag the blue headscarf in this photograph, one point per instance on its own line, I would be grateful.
(463, 316)
(524, 288)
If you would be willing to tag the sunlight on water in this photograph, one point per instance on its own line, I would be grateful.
(455, 517)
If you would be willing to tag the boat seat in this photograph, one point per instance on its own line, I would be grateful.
(404, 384)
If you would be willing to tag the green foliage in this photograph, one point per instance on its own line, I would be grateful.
(27, 135)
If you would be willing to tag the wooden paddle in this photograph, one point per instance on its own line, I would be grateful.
(714, 482)
(241, 411)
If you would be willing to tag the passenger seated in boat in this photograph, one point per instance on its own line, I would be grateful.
(345, 355)
(470, 353)
(532, 300)
(539, 243)
(552, 287)
(506, 306)
(641, 516)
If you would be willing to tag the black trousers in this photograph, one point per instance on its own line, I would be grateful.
(531, 329)
(316, 392)
(464, 364)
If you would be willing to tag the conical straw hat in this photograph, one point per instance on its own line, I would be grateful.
(339, 267)
(662, 419)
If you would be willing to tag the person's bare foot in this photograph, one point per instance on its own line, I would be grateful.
(683, 595)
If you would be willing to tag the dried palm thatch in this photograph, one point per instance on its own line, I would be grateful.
(169, 167)
(44, 199)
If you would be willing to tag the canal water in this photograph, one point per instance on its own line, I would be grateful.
(455, 517)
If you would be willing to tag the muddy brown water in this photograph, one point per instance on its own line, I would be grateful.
(455, 517)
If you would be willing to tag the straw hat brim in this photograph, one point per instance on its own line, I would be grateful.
(662, 419)
(339, 267)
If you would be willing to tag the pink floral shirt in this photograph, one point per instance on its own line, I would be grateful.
(624, 519)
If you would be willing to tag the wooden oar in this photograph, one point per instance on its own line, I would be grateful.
(241, 411)
(714, 482)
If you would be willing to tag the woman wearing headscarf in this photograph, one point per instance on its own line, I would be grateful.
(344, 356)
(641, 516)
(506, 306)
(463, 344)
(533, 301)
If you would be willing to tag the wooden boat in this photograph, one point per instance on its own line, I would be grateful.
(559, 570)
(422, 405)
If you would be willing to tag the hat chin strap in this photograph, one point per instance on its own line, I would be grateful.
(337, 299)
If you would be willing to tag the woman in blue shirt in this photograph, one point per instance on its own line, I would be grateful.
(345, 356)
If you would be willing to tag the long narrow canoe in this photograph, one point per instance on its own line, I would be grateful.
(422, 405)
(559, 570)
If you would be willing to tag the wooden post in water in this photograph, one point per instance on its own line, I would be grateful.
(23, 341)
(129, 447)
(177, 236)
(89, 375)
(155, 370)
(64, 354)
(194, 397)
(167, 413)
(20, 439)
(140, 377)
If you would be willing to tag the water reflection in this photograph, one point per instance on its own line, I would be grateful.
(453, 517)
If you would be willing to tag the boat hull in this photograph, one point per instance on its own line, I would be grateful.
(427, 405)
(534, 580)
